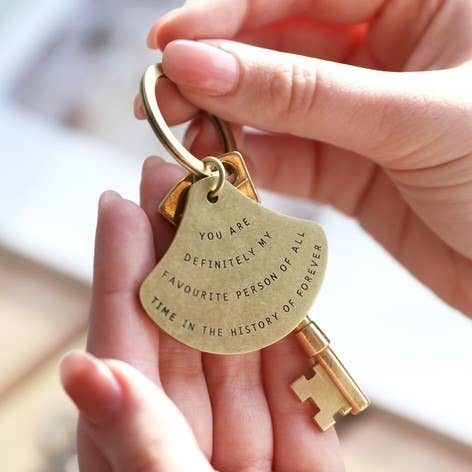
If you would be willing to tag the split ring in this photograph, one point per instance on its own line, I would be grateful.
(220, 168)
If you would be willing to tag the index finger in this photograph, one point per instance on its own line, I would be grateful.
(124, 255)
(199, 19)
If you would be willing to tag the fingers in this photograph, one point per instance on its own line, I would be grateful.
(296, 438)
(242, 430)
(181, 370)
(305, 169)
(298, 167)
(225, 18)
(90, 458)
(131, 421)
(175, 108)
(124, 255)
(388, 117)
(296, 35)
(208, 141)
(157, 179)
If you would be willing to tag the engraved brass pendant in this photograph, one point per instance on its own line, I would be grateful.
(237, 276)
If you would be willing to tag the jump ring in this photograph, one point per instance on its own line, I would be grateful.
(171, 143)
(220, 168)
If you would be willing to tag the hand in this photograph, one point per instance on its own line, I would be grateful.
(377, 117)
(178, 409)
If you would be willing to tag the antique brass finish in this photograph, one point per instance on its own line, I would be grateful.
(237, 276)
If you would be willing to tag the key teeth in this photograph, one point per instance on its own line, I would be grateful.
(324, 423)
(297, 387)
(331, 388)
(307, 389)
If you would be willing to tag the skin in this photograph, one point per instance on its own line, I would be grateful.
(366, 106)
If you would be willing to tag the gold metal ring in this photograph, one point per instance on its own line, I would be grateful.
(148, 93)
(209, 162)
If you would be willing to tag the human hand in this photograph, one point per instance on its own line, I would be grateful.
(178, 409)
(377, 118)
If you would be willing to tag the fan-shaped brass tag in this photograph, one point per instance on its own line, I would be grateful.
(237, 277)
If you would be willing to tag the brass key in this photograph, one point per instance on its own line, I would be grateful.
(332, 388)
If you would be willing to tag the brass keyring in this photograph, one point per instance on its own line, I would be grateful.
(148, 93)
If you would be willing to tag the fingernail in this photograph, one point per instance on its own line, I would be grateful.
(151, 40)
(91, 386)
(108, 196)
(153, 36)
(150, 162)
(201, 66)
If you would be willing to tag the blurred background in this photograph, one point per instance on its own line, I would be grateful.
(69, 71)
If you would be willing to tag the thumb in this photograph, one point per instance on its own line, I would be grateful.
(382, 115)
(133, 423)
